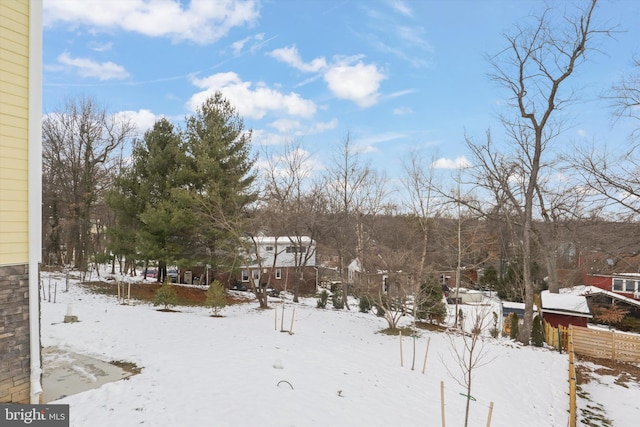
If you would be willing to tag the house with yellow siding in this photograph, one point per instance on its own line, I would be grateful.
(20, 199)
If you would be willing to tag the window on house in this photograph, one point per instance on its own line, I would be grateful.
(255, 274)
(617, 285)
(245, 276)
(269, 248)
(278, 274)
(630, 286)
(296, 249)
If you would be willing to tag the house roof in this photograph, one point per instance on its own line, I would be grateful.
(265, 240)
(594, 290)
(574, 305)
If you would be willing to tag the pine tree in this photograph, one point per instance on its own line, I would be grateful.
(321, 302)
(216, 297)
(513, 324)
(143, 202)
(365, 304)
(166, 296)
(429, 304)
(184, 197)
(537, 338)
(219, 176)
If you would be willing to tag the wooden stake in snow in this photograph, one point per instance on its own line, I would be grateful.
(424, 365)
(282, 320)
(118, 284)
(275, 321)
(490, 412)
(401, 358)
(442, 401)
(293, 314)
(129, 293)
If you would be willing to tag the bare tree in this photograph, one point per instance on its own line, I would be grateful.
(534, 69)
(625, 95)
(421, 186)
(294, 204)
(613, 177)
(353, 193)
(468, 352)
(79, 143)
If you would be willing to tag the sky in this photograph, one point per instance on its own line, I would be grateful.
(339, 369)
(394, 75)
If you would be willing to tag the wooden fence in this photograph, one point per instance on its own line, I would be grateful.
(573, 406)
(596, 343)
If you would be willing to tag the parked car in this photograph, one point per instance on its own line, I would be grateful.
(172, 273)
(151, 272)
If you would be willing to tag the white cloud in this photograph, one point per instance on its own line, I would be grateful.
(253, 101)
(401, 111)
(289, 55)
(401, 7)
(88, 68)
(381, 137)
(143, 119)
(238, 46)
(323, 126)
(457, 163)
(582, 133)
(100, 47)
(358, 83)
(262, 137)
(285, 125)
(289, 130)
(201, 21)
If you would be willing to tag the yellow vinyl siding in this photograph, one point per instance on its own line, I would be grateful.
(14, 132)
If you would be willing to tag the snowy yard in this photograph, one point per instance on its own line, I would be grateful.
(336, 369)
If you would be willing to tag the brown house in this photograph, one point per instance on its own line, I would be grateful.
(276, 263)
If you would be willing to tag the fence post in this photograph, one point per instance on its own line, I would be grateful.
(559, 339)
(613, 346)
(572, 380)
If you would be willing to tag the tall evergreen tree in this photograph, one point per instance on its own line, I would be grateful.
(185, 193)
(219, 179)
(147, 213)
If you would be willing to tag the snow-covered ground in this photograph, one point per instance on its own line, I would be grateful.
(335, 369)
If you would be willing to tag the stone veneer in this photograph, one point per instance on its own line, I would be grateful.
(15, 357)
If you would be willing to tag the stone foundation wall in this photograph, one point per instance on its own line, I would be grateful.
(14, 334)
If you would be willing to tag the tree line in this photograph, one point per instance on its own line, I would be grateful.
(195, 194)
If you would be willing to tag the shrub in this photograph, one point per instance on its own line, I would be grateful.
(428, 301)
(166, 296)
(537, 338)
(216, 297)
(322, 299)
(514, 324)
(337, 300)
(365, 304)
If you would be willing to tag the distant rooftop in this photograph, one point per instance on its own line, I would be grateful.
(564, 303)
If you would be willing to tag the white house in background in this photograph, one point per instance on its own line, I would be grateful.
(277, 259)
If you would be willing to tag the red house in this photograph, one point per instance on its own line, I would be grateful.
(625, 284)
(564, 309)
(609, 273)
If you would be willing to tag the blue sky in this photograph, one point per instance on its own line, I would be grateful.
(396, 75)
